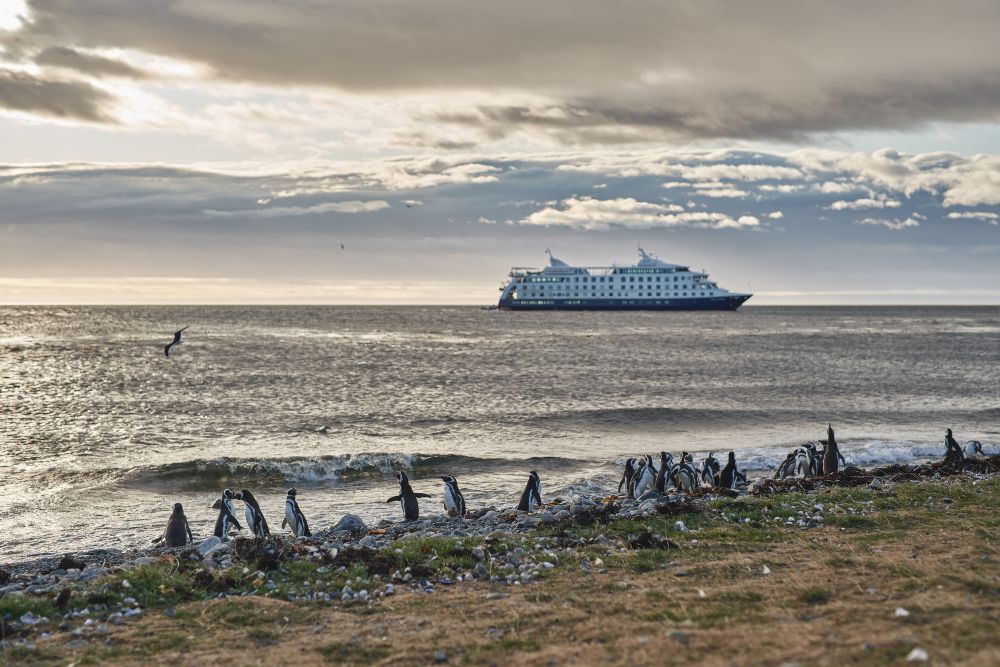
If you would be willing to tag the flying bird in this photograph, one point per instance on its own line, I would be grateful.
(175, 341)
(342, 247)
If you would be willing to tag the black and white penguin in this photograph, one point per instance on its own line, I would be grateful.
(815, 459)
(710, 469)
(531, 497)
(645, 478)
(728, 476)
(831, 455)
(177, 533)
(627, 475)
(789, 466)
(663, 474)
(227, 518)
(255, 518)
(454, 501)
(294, 518)
(974, 450)
(407, 499)
(804, 464)
(684, 475)
(952, 450)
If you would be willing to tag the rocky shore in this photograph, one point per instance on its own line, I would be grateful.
(85, 596)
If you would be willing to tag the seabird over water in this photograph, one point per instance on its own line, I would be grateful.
(175, 341)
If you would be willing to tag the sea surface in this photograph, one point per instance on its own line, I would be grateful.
(100, 433)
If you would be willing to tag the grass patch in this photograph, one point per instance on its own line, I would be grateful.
(815, 596)
(353, 653)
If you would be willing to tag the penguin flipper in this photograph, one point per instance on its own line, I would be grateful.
(284, 522)
(421, 495)
(156, 540)
(394, 499)
(190, 536)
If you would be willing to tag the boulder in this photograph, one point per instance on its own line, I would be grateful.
(351, 523)
(208, 544)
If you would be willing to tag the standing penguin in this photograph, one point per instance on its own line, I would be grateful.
(226, 518)
(177, 532)
(531, 497)
(685, 475)
(831, 456)
(294, 518)
(255, 518)
(710, 468)
(645, 477)
(727, 478)
(627, 475)
(663, 474)
(953, 451)
(454, 501)
(787, 467)
(407, 498)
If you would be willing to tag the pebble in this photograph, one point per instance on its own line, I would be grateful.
(901, 613)
(917, 655)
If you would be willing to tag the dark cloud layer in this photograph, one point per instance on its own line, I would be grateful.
(63, 99)
(60, 56)
(577, 72)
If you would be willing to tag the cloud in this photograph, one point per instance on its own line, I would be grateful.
(986, 216)
(864, 202)
(61, 56)
(776, 215)
(672, 71)
(20, 91)
(603, 214)
(293, 211)
(895, 225)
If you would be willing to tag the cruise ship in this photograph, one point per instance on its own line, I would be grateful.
(651, 284)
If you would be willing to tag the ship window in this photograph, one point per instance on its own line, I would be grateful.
(632, 279)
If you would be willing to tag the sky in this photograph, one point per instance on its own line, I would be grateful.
(397, 152)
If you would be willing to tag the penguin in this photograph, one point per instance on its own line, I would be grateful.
(627, 475)
(531, 497)
(294, 518)
(710, 468)
(663, 474)
(727, 478)
(974, 450)
(645, 478)
(407, 498)
(454, 501)
(684, 475)
(255, 518)
(177, 532)
(804, 465)
(952, 449)
(788, 467)
(831, 455)
(226, 518)
(815, 459)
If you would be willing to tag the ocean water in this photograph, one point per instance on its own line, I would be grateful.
(100, 433)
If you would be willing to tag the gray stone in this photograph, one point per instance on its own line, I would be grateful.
(208, 544)
(351, 523)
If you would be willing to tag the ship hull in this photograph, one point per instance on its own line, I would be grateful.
(731, 302)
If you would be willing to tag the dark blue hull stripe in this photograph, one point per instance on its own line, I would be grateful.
(710, 303)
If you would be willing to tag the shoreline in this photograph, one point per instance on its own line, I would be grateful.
(485, 558)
